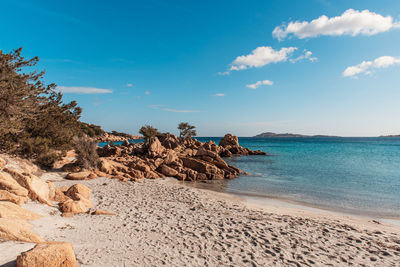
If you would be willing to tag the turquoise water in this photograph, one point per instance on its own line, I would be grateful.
(356, 175)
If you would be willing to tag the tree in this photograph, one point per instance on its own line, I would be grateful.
(148, 131)
(186, 130)
(33, 118)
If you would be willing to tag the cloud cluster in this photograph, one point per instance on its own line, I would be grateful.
(351, 22)
(306, 55)
(83, 90)
(367, 67)
(259, 83)
(262, 56)
(219, 94)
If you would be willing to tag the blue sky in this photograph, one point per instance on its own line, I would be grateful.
(243, 67)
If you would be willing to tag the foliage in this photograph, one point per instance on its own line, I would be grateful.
(86, 151)
(91, 130)
(47, 159)
(186, 130)
(121, 134)
(148, 131)
(33, 119)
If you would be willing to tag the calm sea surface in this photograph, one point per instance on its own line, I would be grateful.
(356, 175)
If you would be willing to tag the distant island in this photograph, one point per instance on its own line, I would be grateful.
(288, 135)
(393, 135)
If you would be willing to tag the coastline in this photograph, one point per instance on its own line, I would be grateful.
(164, 221)
(260, 200)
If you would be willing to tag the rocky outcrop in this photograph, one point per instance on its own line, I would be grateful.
(230, 146)
(78, 175)
(78, 200)
(17, 230)
(50, 254)
(10, 210)
(37, 188)
(168, 155)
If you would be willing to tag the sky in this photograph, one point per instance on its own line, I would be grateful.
(243, 67)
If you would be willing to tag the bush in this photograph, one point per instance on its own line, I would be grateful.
(85, 148)
(148, 131)
(47, 159)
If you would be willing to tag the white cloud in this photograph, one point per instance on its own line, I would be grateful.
(129, 85)
(259, 83)
(147, 92)
(219, 94)
(307, 55)
(351, 22)
(262, 56)
(367, 67)
(83, 90)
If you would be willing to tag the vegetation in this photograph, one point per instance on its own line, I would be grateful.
(34, 121)
(148, 131)
(85, 148)
(121, 134)
(186, 130)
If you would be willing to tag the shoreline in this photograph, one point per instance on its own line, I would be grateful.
(261, 199)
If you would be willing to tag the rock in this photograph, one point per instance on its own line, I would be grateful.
(77, 191)
(155, 148)
(57, 194)
(8, 183)
(169, 141)
(168, 171)
(10, 210)
(3, 163)
(49, 254)
(171, 157)
(211, 171)
(17, 230)
(76, 206)
(37, 188)
(7, 196)
(71, 167)
(181, 176)
(229, 140)
(103, 212)
(78, 175)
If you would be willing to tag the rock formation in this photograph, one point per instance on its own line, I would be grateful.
(168, 155)
(51, 254)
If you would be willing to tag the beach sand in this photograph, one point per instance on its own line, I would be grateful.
(164, 222)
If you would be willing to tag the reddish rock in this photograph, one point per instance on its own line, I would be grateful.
(78, 175)
(49, 254)
(168, 171)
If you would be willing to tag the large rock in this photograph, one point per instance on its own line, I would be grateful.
(155, 148)
(3, 163)
(211, 171)
(229, 140)
(49, 254)
(77, 191)
(37, 188)
(76, 206)
(17, 230)
(168, 171)
(8, 183)
(169, 141)
(78, 175)
(7, 196)
(10, 210)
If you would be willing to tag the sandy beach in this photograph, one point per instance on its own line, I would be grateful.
(165, 222)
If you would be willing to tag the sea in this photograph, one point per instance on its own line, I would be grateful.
(354, 175)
